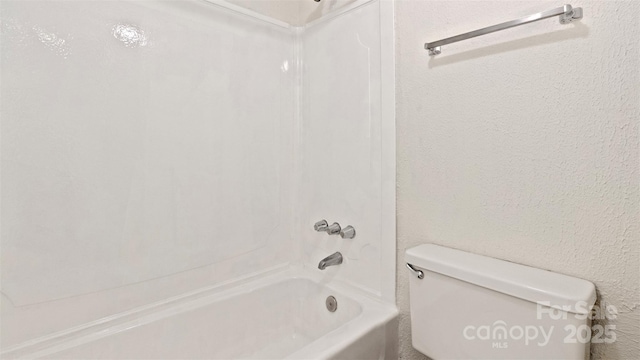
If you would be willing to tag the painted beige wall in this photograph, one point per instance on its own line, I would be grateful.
(523, 145)
(293, 12)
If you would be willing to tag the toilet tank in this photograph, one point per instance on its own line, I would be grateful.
(468, 306)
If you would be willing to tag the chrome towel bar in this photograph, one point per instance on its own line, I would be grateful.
(567, 14)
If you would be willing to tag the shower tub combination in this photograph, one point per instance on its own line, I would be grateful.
(129, 186)
(278, 316)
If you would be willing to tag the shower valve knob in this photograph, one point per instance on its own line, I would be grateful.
(321, 225)
(348, 232)
(333, 229)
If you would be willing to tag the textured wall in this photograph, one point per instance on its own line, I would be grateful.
(523, 145)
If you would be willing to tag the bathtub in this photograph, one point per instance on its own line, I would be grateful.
(279, 316)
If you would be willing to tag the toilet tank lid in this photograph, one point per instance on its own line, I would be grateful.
(540, 286)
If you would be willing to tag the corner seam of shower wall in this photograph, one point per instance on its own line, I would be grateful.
(297, 153)
(388, 147)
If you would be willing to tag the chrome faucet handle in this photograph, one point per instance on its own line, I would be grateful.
(321, 225)
(348, 233)
(333, 229)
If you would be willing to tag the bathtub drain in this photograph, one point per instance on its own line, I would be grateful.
(332, 303)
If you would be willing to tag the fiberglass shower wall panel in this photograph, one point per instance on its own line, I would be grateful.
(341, 145)
(146, 151)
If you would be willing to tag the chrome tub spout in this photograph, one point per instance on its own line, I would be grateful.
(331, 260)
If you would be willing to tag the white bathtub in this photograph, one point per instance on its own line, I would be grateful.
(272, 317)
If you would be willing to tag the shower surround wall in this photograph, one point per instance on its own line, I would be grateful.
(154, 148)
(347, 145)
(139, 158)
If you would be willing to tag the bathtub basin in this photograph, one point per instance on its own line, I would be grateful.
(274, 317)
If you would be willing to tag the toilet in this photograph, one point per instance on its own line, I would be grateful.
(467, 306)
